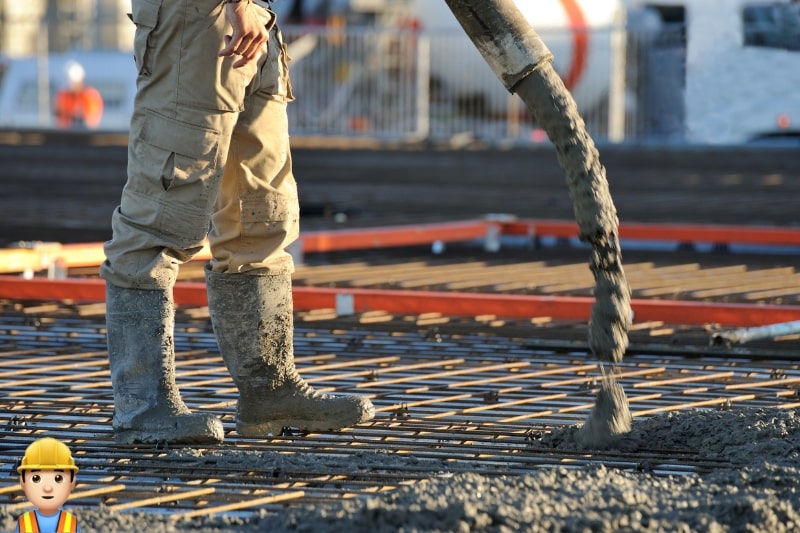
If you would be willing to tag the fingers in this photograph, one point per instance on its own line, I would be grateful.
(229, 47)
(247, 53)
(248, 36)
(248, 47)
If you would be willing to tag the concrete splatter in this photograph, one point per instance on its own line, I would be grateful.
(753, 489)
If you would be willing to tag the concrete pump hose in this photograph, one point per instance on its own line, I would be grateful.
(509, 45)
(521, 60)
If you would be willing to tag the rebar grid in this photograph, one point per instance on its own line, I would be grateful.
(469, 395)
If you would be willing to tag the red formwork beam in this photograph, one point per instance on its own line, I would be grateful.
(680, 233)
(531, 306)
(409, 235)
(84, 290)
(91, 254)
(456, 304)
(509, 306)
(41, 256)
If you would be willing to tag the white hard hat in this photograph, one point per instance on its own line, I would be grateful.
(74, 72)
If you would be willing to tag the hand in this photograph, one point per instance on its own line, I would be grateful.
(249, 33)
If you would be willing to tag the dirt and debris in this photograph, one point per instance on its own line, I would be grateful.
(753, 486)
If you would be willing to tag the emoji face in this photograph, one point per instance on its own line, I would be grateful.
(47, 489)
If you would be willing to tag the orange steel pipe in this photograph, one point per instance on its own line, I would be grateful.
(684, 233)
(446, 303)
(91, 254)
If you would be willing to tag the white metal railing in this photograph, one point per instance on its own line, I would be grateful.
(402, 85)
(396, 84)
(358, 82)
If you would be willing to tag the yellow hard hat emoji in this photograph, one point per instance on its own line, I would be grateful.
(47, 453)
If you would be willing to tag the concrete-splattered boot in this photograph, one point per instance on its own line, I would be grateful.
(147, 404)
(253, 321)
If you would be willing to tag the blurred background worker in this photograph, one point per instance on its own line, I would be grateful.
(78, 105)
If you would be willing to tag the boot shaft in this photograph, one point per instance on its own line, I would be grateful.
(252, 316)
(140, 328)
(253, 321)
(141, 352)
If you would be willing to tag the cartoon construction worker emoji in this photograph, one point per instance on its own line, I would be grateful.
(47, 476)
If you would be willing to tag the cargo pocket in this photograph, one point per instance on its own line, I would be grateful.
(286, 79)
(274, 79)
(187, 157)
(145, 16)
(271, 215)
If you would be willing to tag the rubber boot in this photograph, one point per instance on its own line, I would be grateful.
(253, 321)
(147, 404)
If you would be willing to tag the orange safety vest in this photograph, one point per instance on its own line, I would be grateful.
(79, 108)
(67, 523)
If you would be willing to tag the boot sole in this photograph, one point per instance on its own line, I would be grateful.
(156, 437)
(202, 431)
(276, 427)
(349, 413)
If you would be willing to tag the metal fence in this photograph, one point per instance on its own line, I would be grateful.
(359, 82)
(404, 85)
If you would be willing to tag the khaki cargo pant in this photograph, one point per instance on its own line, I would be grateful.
(208, 152)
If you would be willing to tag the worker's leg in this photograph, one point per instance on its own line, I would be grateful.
(249, 278)
(185, 109)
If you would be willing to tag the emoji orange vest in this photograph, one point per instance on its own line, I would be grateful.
(66, 523)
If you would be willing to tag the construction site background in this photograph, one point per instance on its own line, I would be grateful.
(373, 74)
